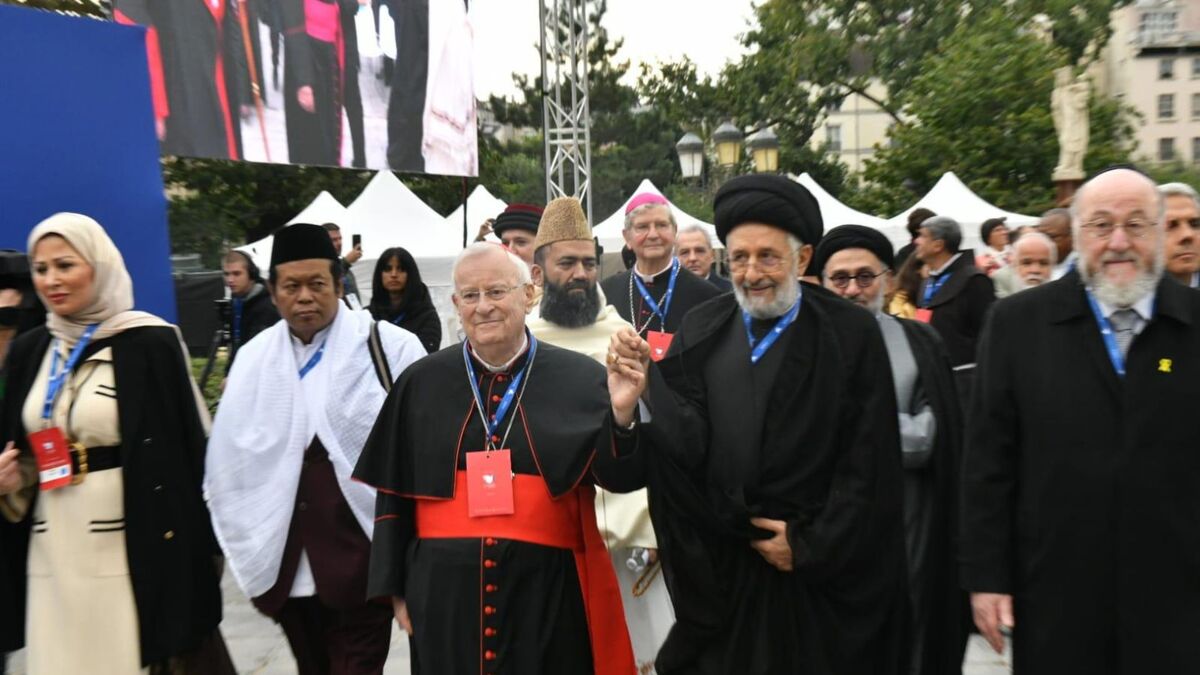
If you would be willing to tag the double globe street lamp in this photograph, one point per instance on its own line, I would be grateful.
(728, 140)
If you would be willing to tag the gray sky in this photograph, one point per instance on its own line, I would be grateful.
(507, 32)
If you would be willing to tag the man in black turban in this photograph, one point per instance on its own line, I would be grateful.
(856, 263)
(775, 476)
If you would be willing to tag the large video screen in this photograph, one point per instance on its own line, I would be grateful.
(374, 84)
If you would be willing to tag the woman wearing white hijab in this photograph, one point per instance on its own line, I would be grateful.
(104, 435)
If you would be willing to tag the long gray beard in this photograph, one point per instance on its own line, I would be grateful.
(785, 297)
(1124, 296)
(561, 308)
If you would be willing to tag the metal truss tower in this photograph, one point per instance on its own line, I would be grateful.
(566, 115)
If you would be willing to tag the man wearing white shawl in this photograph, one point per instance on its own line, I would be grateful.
(298, 406)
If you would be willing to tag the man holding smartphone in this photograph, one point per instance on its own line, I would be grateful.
(349, 283)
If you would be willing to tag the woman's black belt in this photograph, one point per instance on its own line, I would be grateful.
(89, 460)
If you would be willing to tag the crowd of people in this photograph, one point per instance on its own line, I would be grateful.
(840, 459)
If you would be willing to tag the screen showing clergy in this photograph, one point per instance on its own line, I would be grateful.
(346, 83)
(486, 457)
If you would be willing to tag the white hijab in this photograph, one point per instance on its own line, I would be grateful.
(111, 306)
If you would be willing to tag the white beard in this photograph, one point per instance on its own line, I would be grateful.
(1125, 295)
(785, 297)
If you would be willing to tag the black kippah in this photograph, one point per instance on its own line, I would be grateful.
(301, 241)
(852, 236)
(770, 200)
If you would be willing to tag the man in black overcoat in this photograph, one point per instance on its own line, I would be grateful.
(1080, 510)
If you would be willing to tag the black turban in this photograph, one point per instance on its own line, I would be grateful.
(518, 216)
(851, 236)
(301, 241)
(770, 200)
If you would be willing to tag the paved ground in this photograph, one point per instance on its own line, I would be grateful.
(258, 646)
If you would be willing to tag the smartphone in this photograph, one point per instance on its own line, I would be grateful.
(356, 240)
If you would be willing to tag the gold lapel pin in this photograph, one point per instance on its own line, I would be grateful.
(1164, 365)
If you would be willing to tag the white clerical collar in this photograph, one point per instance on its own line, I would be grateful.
(650, 277)
(938, 271)
(1195, 280)
(1144, 306)
(505, 366)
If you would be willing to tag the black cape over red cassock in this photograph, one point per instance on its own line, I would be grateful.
(197, 63)
(490, 603)
(313, 137)
(808, 435)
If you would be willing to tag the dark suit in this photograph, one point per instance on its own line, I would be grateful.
(959, 307)
(723, 284)
(1079, 487)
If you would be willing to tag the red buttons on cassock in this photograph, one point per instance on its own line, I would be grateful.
(489, 632)
(489, 610)
(489, 564)
(500, 378)
(489, 541)
(489, 655)
(490, 588)
(495, 398)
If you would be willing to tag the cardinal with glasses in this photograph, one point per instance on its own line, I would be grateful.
(773, 462)
(485, 457)
(856, 262)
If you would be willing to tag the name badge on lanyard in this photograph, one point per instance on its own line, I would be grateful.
(49, 445)
(656, 309)
(489, 471)
(759, 349)
(660, 343)
(932, 287)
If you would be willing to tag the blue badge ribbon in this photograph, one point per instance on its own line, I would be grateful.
(509, 394)
(757, 351)
(238, 304)
(59, 377)
(932, 287)
(314, 359)
(398, 319)
(659, 311)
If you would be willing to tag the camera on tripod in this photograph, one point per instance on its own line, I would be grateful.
(225, 314)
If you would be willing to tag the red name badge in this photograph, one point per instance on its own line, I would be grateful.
(924, 315)
(489, 483)
(53, 458)
(659, 344)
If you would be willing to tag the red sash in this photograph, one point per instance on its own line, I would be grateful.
(568, 522)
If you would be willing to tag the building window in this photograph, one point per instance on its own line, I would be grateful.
(1158, 22)
(1166, 149)
(833, 106)
(1166, 106)
(833, 137)
(1196, 151)
(1195, 106)
(1166, 69)
(1195, 68)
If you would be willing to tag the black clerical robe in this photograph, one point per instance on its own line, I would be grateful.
(808, 436)
(690, 290)
(196, 57)
(497, 600)
(313, 43)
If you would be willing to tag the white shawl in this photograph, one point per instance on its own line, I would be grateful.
(266, 420)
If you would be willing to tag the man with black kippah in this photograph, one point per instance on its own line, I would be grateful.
(516, 226)
(774, 476)
(856, 262)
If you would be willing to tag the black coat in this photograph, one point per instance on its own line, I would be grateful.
(421, 319)
(1079, 487)
(959, 307)
(169, 537)
(690, 290)
(258, 314)
(821, 451)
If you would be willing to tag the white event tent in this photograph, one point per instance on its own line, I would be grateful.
(609, 230)
(834, 212)
(951, 197)
(481, 205)
(324, 209)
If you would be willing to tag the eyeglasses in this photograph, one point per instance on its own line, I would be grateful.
(767, 262)
(1103, 230)
(472, 297)
(863, 279)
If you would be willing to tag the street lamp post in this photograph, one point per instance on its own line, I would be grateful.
(764, 148)
(691, 155)
(728, 140)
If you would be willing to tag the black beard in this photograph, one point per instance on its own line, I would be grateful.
(570, 310)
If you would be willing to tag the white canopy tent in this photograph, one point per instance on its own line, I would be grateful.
(834, 212)
(481, 205)
(951, 197)
(324, 209)
(609, 230)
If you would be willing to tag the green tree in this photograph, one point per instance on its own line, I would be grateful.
(983, 111)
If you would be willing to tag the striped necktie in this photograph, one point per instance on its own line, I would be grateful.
(1123, 321)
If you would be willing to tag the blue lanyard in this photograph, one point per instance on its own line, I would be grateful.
(932, 287)
(666, 299)
(509, 394)
(757, 351)
(1109, 336)
(314, 359)
(58, 377)
(237, 321)
(399, 319)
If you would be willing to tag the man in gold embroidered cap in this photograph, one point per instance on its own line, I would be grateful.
(575, 315)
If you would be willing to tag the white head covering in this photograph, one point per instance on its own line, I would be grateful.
(112, 303)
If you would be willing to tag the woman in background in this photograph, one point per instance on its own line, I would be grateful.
(398, 295)
(121, 571)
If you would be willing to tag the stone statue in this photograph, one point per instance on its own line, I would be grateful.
(1069, 105)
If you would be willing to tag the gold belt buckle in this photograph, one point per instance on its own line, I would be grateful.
(80, 452)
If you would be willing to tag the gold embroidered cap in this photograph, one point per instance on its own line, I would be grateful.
(563, 220)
